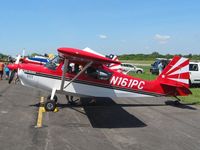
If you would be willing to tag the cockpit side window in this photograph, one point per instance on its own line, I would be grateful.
(98, 73)
(92, 72)
(104, 75)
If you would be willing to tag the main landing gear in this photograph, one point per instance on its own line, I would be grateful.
(50, 105)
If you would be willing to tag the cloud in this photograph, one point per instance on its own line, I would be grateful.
(102, 36)
(162, 39)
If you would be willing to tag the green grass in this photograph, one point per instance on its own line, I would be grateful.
(146, 75)
(148, 62)
(191, 99)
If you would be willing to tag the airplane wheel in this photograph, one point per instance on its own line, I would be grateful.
(55, 98)
(50, 105)
(177, 102)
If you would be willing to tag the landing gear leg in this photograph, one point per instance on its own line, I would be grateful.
(51, 103)
(55, 98)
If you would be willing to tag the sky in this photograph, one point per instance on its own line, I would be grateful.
(106, 26)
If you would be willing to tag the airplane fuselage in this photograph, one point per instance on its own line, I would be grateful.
(96, 79)
(118, 85)
(85, 74)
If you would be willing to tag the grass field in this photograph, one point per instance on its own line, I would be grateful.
(191, 99)
(146, 75)
(148, 62)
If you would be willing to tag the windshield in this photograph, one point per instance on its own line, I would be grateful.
(53, 63)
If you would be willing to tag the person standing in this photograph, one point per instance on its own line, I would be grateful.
(7, 71)
(1, 70)
(160, 67)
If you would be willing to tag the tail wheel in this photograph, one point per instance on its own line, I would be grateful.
(177, 102)
(50, 105)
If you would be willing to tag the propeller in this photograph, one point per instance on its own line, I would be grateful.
(13, 68)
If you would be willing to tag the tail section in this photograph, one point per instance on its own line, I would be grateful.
(176, 74)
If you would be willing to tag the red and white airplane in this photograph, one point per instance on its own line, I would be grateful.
(96, 79)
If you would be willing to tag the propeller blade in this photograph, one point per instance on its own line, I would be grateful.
(17, 60)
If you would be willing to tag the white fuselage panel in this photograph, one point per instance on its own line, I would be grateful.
(74, 88)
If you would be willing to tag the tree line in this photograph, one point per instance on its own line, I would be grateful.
(3, 57)
(151, 56)
(155, 55)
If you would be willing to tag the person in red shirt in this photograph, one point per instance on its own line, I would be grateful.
(1, 70)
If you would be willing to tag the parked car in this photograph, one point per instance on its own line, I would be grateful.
(127, 67)
(154, 67)
(194, 69)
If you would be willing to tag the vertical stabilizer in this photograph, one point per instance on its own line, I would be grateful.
(176, 73)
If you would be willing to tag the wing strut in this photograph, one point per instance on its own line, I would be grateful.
(63, 76)
(66, 62)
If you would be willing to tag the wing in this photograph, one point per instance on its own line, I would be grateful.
(80, 55)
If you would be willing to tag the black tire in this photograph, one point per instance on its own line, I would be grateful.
(139, 72)
(50, 105)
(55, 98)
(12, 75)
(176, 103)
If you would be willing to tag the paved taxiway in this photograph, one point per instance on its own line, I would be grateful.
(110, 124)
